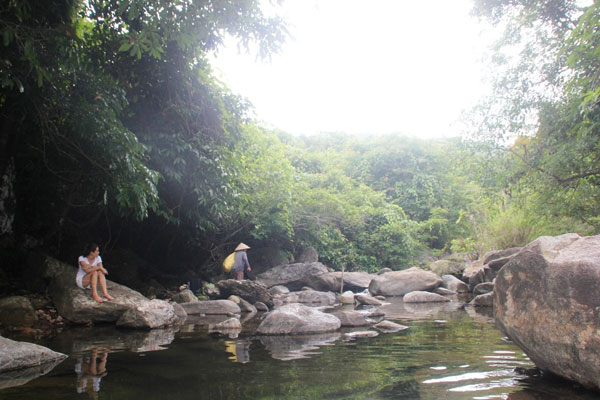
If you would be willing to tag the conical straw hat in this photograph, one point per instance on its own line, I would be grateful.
(241, 247)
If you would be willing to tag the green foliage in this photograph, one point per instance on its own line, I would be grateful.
(110, 108)
(350, 206)
(540, 129)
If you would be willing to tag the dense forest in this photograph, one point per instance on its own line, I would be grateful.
(115, 130)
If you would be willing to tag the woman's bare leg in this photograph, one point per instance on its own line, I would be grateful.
(94, 284)
(102, 280)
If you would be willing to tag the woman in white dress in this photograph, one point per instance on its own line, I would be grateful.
(91, 273)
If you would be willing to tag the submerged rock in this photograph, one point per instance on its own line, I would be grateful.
(359, 334)
(293, 319)
(547, 300)
(389, 327)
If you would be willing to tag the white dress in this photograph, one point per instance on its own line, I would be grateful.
(81, 272)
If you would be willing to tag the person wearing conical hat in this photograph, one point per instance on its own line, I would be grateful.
(241, 261)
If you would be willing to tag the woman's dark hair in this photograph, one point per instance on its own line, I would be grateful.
(89, 248)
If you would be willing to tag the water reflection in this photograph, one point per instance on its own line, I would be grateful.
(482, 314)
(90, 370)
(395, 308)
(239, 350)
(22, 376)
(296, 347)
(452, 356)
(81, 340)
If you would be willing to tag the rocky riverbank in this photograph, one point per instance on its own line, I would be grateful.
(538, 290)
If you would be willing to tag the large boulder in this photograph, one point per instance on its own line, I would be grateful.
(355, 281)
(323, 282)
(248, 290)
(77, 305)
(547, 300)
(16, 311)
(17, 355)
(398, 283)
(294, 319)
(294, 276)
(149, 315)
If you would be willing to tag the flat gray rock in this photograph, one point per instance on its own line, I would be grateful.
(212, 307)
(18, 355)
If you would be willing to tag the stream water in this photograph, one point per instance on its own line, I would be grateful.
(447, 352)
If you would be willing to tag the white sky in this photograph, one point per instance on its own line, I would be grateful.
(377, 66)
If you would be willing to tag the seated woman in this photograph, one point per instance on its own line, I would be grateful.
(91, 272)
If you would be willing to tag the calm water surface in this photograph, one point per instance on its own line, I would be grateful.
(446, 353)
